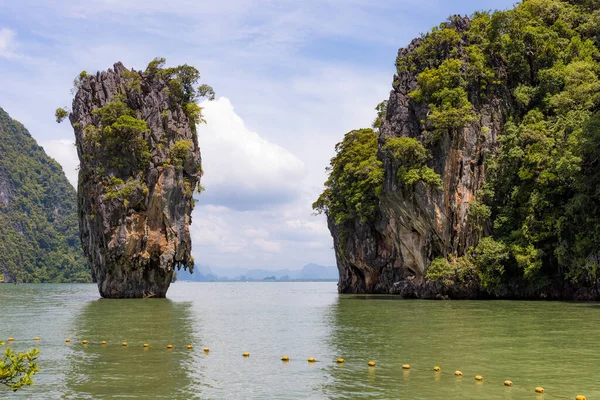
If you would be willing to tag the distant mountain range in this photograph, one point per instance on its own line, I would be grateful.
(310, 272)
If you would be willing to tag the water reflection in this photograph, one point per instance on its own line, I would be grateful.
(102, 371)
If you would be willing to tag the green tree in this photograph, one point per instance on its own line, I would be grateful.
(61, 114)
(410, 157)
(355, 179)
(381, 114)
(17, 369)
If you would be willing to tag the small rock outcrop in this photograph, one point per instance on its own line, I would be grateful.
(140, 165)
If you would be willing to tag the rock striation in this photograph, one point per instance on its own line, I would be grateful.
(140, 164)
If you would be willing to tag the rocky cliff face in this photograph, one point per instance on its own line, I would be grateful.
(417, 225)
(482, 180)
(139, 166)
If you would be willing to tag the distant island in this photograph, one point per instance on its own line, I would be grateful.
(310, 272)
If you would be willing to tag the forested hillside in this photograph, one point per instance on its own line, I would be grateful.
(38, 213)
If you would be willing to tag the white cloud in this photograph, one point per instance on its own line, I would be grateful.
(258, 238)
(7, 43)
(64, 151)
(243, 170)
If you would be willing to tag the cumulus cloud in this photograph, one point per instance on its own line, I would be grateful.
(283, 237)
(243, 170)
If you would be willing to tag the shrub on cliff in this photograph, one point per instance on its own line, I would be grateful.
(355, 179)
(410, 157)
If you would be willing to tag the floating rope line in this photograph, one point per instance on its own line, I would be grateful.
(407, 368)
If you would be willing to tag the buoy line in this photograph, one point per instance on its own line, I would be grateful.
(509, 384)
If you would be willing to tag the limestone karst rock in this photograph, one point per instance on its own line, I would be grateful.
(482, 179)
(140, 164)
(415, 225)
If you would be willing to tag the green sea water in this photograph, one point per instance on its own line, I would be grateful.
(548, 344)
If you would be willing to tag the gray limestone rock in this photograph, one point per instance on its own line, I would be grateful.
(134, 240)
(417, 226)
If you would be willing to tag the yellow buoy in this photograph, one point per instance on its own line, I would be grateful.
(206, 349)
(169, 346)
(507, 383)
(67, 340)
(406, 366)
(539, 389)
(84, 342)
(580, 397)
(36, 338)
(103, 342)
(457, 373)
(285, 358)
(340, 360)
(310, 359)
(436, 368)
(371, 363)
(246, 354)
(124, 343)
(190, 347)
(146, 345)
(11, 339)
(479, 378)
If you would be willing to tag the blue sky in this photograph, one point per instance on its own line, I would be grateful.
(291, 78)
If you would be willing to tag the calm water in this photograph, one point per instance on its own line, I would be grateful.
(554, 345)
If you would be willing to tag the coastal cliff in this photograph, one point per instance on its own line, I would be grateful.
(487, 142)
(140, 165)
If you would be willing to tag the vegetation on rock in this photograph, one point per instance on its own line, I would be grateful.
(356, 174)
(538, 66)
(355, 179)
(410, 158)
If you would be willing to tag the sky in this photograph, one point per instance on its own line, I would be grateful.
(291, 78)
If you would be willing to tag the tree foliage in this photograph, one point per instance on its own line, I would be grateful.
(17, 369)
(381, 114)
(410, 157)
(118, 139)
(355, 179)
(61, 113)
(182, 81)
